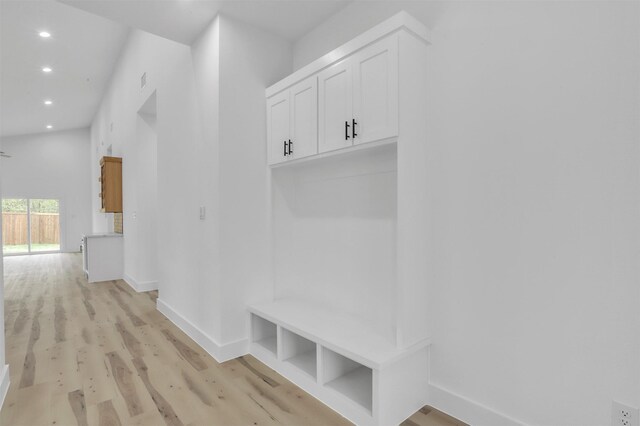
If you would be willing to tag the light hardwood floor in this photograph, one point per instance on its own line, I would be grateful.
(101, 354)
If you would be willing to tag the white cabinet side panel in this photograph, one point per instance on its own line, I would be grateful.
(413, 195)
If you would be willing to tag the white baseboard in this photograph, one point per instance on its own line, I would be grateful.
(5, 381)
(140, 286)
(221, 353)
(466, 410)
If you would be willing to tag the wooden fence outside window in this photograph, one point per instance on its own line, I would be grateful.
(45, 228)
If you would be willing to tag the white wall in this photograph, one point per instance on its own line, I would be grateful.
(533, 142)
(170, 75)
(53, 165)
(199, 163)
(250, 61)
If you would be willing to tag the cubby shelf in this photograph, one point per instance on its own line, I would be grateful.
(269, 343)
(353, 380)
(356, 385)
(300, 352)
(305, 362)
(264, 334)
(334, 330)
(337, 358)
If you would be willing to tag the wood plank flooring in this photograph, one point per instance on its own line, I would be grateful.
(101, 354)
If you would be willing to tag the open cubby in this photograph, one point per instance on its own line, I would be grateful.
(299, 352)
(334, 232)
(351, 379)
(264, 333)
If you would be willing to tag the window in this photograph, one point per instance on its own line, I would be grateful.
(30, 225)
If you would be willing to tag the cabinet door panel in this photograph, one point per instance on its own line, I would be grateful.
(277, 126)
(304, 118)
(335, 103)
(375, 91)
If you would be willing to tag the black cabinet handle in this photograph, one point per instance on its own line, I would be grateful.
(346, 130)
(285, 148)
(290, 146)
(353, 129)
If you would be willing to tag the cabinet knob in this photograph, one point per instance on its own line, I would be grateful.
(290, 147)
(346, 130)
(285, 148)
(353, 128)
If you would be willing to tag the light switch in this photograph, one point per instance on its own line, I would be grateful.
(202, 212)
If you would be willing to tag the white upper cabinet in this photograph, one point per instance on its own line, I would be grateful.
(304, 119)
(335, 110)
(375, 91)
(358, 97)
(278, 127)
(345, 103)
(292, 122)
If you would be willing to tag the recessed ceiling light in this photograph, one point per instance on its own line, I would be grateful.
(46, 69)
(44, 34)
(49, 126)
(48, 102)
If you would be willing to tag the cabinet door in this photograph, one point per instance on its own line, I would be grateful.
(375, 91)
(304, 118)
(335, 104)
(278, 127)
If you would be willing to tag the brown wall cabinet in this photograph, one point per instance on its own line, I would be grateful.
(111, 184)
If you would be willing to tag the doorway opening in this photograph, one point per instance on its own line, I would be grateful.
(30, 225)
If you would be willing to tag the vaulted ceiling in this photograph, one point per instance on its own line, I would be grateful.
(87, 37)
(81, 52)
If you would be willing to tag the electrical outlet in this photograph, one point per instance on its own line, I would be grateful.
(624, 415)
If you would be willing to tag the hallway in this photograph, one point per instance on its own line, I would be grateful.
(100, 354)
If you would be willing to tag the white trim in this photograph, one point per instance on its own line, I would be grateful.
(466, 410)
(334, 152)
(398, 21)
(140, 286)
(221, 352)
(5, 381)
